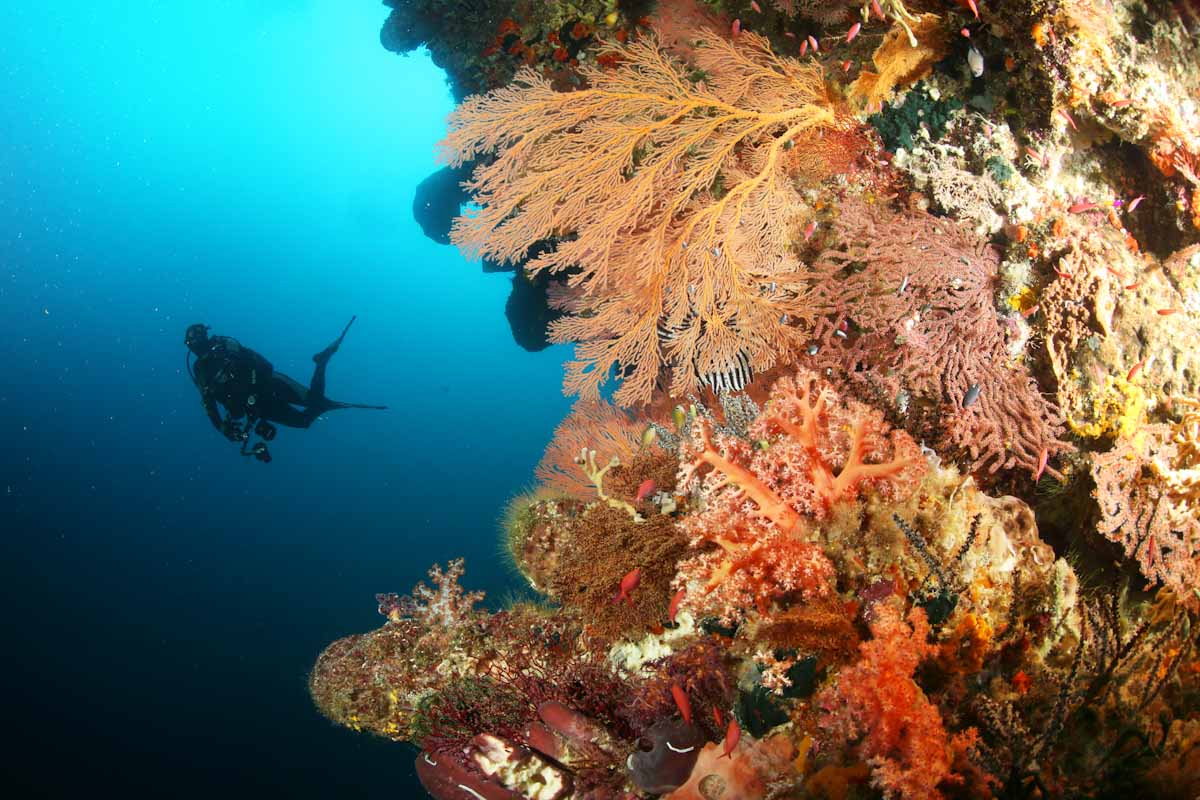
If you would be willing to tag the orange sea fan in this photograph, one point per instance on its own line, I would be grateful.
(591, 425)
(668, 195)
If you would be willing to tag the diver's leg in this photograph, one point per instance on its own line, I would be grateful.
(284, 414)
(323, 357)
(288, 389)
(316, 387)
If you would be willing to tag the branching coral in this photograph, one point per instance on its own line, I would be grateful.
(1148, 489)
(668, 195)
(446, 605)
(759, 501)
(591, 426)
(903, 735)
(913, 322)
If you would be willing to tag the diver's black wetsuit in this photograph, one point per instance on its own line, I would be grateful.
(248, 386)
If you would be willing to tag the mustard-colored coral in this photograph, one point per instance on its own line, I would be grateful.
(905, 56)
(1115, 409)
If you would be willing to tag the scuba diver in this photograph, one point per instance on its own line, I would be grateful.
(248, 387)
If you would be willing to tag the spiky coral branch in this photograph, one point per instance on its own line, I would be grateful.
(832, 488)
(830, 448)
(770, 505)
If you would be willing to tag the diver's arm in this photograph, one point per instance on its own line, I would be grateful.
(210, 407)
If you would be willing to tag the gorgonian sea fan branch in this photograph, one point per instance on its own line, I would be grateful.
(669, 199)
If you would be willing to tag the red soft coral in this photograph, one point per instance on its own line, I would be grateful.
(761, 499)
(903, 738)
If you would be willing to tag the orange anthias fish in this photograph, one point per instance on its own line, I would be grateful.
(732, 734)
(646, 489)
(681, 702)
(676, 601)
(628, 584)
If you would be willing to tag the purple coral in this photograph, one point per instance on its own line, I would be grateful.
(911, 320)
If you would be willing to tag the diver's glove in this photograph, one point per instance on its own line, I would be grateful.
(232, 431)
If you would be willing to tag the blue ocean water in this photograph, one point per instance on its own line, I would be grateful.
(249, 164)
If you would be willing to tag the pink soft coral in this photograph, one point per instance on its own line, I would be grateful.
(444, 606)
(760, 500)
(903, 738)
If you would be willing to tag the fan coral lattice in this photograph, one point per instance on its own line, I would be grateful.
(1148, 488)
(919, 294)
(669, 197)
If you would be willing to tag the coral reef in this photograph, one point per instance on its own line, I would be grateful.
(898, 491)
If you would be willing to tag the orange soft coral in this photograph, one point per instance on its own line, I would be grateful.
(902, 734)
(760, 499)
(820, 431)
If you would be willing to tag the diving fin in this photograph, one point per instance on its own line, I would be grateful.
(326, 354)
(334, 404)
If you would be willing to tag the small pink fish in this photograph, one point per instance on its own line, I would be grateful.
(732, 734)
(816, 46)
(1043, 459)
(854, 29)
(974, 8)
(757, 8)
(736, 28)
(646, 489)
(846, 66)
(1081, 206)
(809, 230)
(789, 34)
(1137, 201)
(676, 602)
(966, 33)
(1062, 112)
(628, 584)
(1120, 103)
(681, 702)
(803, 47)
(877, 9)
